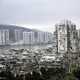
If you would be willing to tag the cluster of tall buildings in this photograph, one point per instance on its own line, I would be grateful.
(32, 37)
(67, 37)
(37, 37)
(12, 35)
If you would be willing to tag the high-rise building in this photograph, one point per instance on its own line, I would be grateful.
(46, 37)
(40, 38)
(28, 37)
(4, 37)
(37, 37)
(66, 36)
(17, 35)
(31, 38)
(78, 31)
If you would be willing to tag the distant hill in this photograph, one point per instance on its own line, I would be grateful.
(12, 27)
(19, 34)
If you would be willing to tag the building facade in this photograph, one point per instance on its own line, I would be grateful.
(67, 38)
(78, 31)
(17, 35)
(4, 37)
(36, 37)
(28, 37)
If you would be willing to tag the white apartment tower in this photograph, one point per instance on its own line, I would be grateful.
(17, 35)
(40, 38)
(31, 37)
(4, 37)
(28, 37)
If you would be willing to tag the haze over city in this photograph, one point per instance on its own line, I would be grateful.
(39, 14)
(39, 39)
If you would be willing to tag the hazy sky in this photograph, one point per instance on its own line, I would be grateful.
(40, 14)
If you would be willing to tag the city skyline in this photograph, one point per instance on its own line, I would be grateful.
(48, 28)
(39, 14)
(39, 39)
(18, 35)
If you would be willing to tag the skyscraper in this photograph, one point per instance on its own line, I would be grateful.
(40, 38)
(79, 38)
(66, 37)
(17, 35)
(28, 37)
(4, 37)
